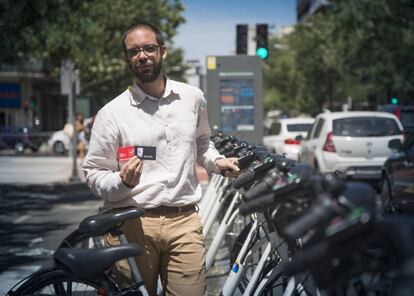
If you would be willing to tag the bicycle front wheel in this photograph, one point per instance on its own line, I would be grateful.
(57, 282)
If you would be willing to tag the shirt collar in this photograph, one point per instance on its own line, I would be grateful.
(137, 95)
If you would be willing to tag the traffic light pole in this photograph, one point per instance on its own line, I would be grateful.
(71, 116)
(68, 84)
(72, 106)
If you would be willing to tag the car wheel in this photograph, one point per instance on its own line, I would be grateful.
(59, 148)
(19, 148)
(385, 192)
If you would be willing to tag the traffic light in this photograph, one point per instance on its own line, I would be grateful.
(262, 49)
(26, 105)
(394, 101)
(241, 39)
(32, 102)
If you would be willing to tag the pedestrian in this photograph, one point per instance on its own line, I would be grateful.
(82, 143)
(167, 121)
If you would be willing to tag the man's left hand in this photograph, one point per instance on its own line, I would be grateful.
(228, 166)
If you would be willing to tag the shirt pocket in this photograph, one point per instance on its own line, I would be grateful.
(186, 127)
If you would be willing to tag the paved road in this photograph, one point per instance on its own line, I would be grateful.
(32, 226)
(47, 169)
(35, 170)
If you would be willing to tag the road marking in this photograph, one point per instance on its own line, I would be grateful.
(12, 276)
(78, 207)
(21, 219)
(35, 240)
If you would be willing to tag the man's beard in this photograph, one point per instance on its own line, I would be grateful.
(149, 74)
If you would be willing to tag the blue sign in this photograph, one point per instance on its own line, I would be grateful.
(10, 95)
(237, 105)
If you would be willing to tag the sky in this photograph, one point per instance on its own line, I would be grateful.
(210, 27)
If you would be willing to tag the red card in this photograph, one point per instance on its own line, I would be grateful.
(125, 153)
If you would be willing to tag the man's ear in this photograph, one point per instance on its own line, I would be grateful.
(164, 52)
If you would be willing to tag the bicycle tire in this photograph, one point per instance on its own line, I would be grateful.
(56, 281)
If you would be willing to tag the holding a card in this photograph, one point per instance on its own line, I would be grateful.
(143, 151)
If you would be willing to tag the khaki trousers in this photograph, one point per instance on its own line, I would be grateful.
(174, 249)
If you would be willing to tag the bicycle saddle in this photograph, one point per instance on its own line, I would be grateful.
(89, 263)
(102, 223)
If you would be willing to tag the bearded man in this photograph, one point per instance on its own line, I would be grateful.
(165, 123)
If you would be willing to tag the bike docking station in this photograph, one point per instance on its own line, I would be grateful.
(234, 96)
(235, 107)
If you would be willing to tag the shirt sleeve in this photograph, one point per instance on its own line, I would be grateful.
(101, 165)
(207, 154)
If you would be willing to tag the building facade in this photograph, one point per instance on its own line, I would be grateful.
(30, 97)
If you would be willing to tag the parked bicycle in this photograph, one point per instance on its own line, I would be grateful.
(297, 234)
(84, 271)
(303, 228)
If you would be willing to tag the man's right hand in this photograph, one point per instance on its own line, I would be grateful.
(131, 172)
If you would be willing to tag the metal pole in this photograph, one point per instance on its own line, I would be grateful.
(72, 113)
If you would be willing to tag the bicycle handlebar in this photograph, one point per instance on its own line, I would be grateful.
(243, 178)
(263, 186)
(337, 200)
(319, 214)
(263, 202)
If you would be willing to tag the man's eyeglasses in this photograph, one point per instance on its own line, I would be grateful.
(147, 49)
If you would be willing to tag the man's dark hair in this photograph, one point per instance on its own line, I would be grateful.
(142, 24)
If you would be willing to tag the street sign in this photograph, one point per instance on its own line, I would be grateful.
(69, 75)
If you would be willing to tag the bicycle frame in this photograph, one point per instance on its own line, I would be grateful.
(238, 267)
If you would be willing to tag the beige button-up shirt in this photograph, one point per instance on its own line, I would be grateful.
(176, 124)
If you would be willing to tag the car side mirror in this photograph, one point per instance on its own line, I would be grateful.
(299, 138)
(395, 144)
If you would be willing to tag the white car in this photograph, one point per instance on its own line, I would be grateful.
(59, 142)
(285, 135)
(351, 144)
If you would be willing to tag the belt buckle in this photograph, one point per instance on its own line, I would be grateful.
(180, 209)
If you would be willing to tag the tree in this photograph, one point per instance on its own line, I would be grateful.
(306, 72)
(281, 78)
(87, 32)
(359, 49)
(377, 45)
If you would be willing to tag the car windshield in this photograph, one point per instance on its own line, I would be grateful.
(365, 127)
(299, 127)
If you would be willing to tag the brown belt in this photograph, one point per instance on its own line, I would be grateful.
(161, 210)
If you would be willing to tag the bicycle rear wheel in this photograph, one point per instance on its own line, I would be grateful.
(57, 282)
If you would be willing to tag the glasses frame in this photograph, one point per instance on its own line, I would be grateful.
(133, 52)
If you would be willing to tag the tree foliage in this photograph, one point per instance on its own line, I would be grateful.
(87, 32)
(359, 49)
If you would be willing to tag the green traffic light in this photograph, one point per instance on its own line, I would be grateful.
(394, 101)
(262, 52)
